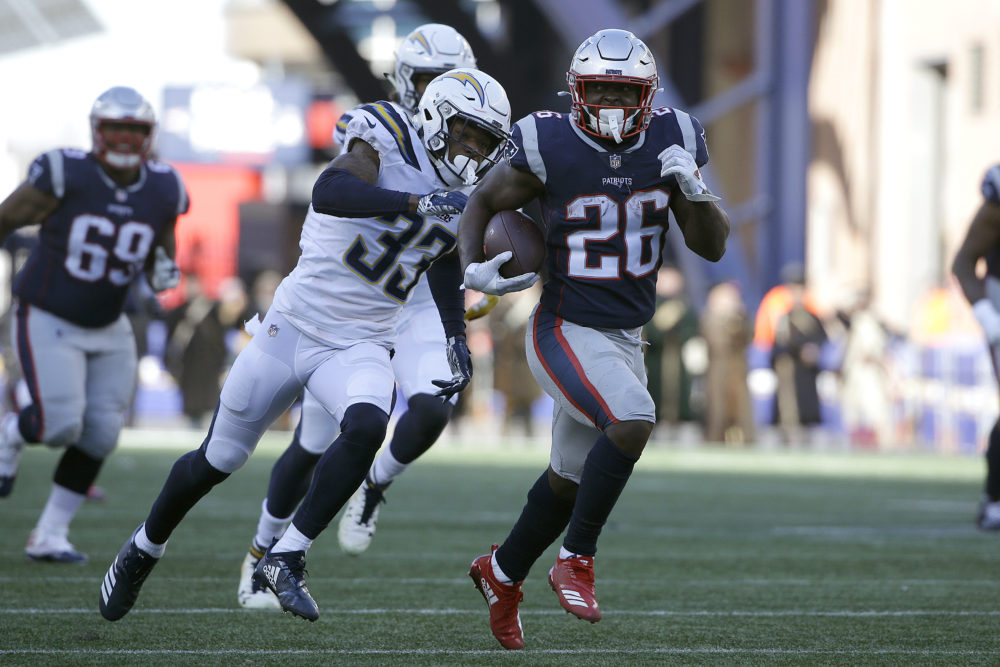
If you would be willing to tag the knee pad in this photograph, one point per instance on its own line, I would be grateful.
(100, 433)
(364, 424)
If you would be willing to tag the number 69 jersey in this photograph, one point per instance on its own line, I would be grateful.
(605, 213)
(354, 274)
(97, 240)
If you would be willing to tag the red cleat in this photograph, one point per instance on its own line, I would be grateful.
(573, 581)
(505, 621)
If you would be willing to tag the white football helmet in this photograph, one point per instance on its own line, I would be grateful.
(453, 102)
(612, 56)
(122, 150)
(432, 48)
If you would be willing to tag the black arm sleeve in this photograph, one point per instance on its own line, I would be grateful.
(445, 279)
(339, 192)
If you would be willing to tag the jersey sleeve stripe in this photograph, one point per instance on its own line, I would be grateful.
(397, 127)
(182, 202)
(529, 144)
(58, 172)
(687, 131)
(340, 129)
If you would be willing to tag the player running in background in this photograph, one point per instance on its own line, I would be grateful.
(105, 216)
(421, 355)
(982, 241)
(378, 220)
(606, 175)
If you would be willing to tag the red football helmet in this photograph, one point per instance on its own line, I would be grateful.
(114, 119)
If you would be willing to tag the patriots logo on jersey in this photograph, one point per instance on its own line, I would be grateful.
(509, 151)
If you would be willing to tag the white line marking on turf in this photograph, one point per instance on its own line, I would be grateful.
(496, 652)
(618, 612)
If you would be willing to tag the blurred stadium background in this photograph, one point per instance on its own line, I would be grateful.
(847, 135)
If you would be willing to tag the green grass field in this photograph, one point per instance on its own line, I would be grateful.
(711, 557)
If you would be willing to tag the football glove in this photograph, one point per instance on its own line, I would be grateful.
(461, 368)
(165, 273)
(677, 162)
(485, 277)
(989, 319)
(442, 203)
(481, 307)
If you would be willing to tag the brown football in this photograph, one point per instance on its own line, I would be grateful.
(514, 231)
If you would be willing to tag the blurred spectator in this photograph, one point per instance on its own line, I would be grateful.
(511, 375)
(799, 337)
(727, 331)
(197, 351)
(778, 301)
(865, 398)
(674, 323)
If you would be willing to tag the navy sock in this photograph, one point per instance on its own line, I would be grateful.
(993, 464)
(290, 478)
(605, 474)
(191, 477)
(342, 467)
(77, 470)
(419, 427)
(542, 520)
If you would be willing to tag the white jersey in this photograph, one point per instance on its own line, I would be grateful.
(355, 274)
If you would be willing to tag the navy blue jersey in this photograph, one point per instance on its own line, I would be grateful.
(604, 211)
(97, 240)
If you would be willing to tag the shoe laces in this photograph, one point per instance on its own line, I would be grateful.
(138, 564)
(294, 564)
(373, 496)
(579, 571)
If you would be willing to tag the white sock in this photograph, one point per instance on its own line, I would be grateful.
(292, 540)
(143, 542)
(12, 431)
(386, 468)
(269, 526)
(564, 554)
(498, 573)
(60, 509)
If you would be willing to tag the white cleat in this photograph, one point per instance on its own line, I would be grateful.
(250, 594)
(989, 515)
(52, 547)
(357, 525)
(11, 446)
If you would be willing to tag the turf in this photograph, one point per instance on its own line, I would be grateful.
(711, 557)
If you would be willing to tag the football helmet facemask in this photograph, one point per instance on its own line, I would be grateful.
(116, 108)
(434, 49)
(615, 57)
(452, 104)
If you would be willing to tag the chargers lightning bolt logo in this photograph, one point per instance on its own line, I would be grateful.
(469, 80)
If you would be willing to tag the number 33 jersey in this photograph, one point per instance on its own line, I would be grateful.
(605, 213)
(97, 240)
(354, 274)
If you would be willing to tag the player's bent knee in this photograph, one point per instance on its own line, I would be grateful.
(630, 436)
(563, 488)
(63, 435)
(434, 411)
(364, 423)
(226, 455)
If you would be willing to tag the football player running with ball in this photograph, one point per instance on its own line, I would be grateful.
(105, 216)
(421, 356)
(383, 213)
(606, 175)
(982, 241)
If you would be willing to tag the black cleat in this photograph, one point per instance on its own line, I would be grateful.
(284, 575)
(121, 585)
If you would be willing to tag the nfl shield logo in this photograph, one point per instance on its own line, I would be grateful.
(615, 160)
(272, 330)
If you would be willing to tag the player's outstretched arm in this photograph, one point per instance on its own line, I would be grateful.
(503, 189)
(704, 224)
(983, 236)
(27, 205)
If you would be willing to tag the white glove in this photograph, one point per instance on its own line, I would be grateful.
(677, 162)
(165, 273)
(252, 326)
(989, 319)
(485, 277)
